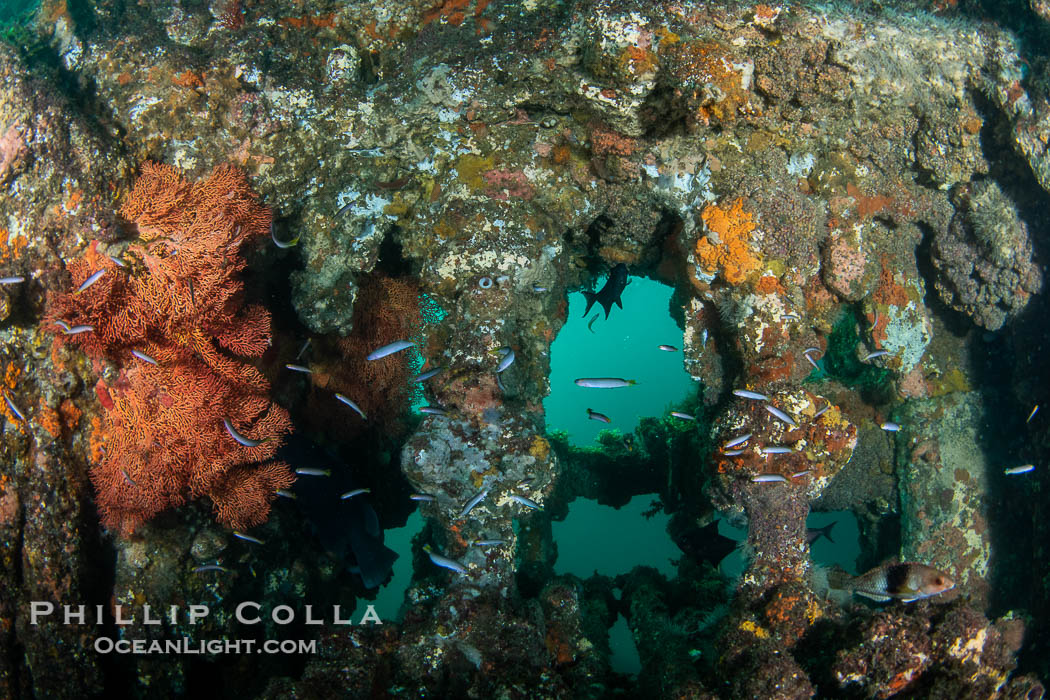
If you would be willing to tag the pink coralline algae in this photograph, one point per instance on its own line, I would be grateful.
(984, 258)
(845, 268)
(508, 184)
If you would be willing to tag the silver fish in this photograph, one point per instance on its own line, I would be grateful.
(396, 346)
(488, 543)
(668, 348)
(777, 413)
(811, 361)
(210, 567)
(310, 471)
(777, 450)
(298, 368)
(433, 410)
(1023, 469)
(282, 244)
(527, 502)
(423, 497)
(746, 394)
(507, 361)
(478, 498)
(143, 356)
(14, 409)
(739, 440)
(683, 416)
(76, 330)
(733, 453)
(890, 426)
(537, 288)
(352, 405)
(796, 475)
(822, 411)
(769, 479)
(423, 376)
(444, 562)
(247, 538)
(604, 382)
(285, 493)
(247, 442)
(14, 279)
(873, 355)
(95, 276)
(355, 492)
(117, 261)
(600, 417)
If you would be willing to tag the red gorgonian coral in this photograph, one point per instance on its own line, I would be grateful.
(177, 302)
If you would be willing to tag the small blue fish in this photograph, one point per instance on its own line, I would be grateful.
(523, 500)
(117, 261)
(777, 413)
(352, 405)
(769, 479)
(282, 244)
(747, 394)
(873, 355)
(682, 415)
(1023, 469)
(14, 279)
(247, 442)
(738, 440)
(396, 346)
(488, 543)
(444, 562)
(95, 277)
(507, 361)
(822, 411)
(210, 567)
(298, 368)
(128, 479)
(355, 492)
(430, 373)
(733, 453)
(537, 288)
(285, 493)
(478, 498)
(604, 382)
(303, 348)
(433, 410)
(600, 417)
(422, 497)
(310, 471)
(76, 330)
(14, 409)
(890, 426)
(668, 348)
(247, 538)
(796, 475)
(776, 450)
(143, 356)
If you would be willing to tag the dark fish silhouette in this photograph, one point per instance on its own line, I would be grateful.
(815, 533)
(348, 529)
(704, 543)
(610, 293)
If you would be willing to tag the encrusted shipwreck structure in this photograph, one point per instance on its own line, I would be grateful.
(844, 199)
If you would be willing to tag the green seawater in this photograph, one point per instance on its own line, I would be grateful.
(625, 346)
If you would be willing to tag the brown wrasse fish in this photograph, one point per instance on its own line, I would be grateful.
(907, 581)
